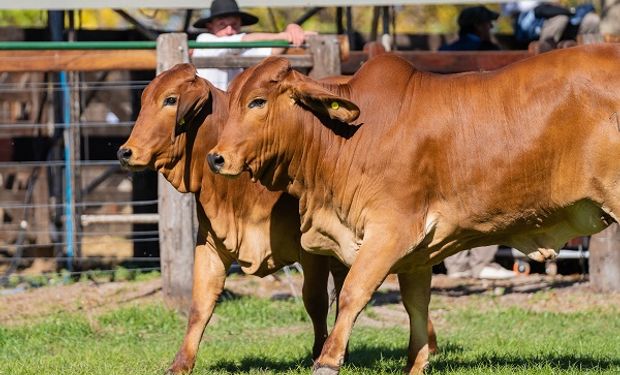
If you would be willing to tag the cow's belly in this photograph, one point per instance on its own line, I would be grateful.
(539, 236)
(327, 235)
(542, 241)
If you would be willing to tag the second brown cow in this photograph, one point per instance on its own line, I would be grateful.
(400, 168)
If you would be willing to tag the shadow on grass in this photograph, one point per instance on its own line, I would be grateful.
(555, 361)
(386, 297)
(253, 364)
(535, 286)
(373, 358)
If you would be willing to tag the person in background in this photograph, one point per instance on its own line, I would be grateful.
(477, 263)
(475, 24)
(549, 23)
(224, 25)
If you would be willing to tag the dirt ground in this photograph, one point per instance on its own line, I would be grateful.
(535, 292)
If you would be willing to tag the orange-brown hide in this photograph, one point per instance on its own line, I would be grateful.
(179, 121)
(400, 168)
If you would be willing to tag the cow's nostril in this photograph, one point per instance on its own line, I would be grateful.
(123, 154)
(216, 162)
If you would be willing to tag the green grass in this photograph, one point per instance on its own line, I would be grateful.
(64, 277)
(255, 336)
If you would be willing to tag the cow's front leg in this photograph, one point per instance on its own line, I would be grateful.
(339, 272)
(315, 296)
(375, 259)
(415, 288)
(208, 282)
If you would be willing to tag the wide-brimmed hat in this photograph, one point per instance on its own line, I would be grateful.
(223, 8)
(474, 15)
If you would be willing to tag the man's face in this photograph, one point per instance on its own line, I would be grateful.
(483, 29)
(225, 26)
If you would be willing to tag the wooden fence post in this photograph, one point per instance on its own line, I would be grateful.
(177, 211)
(604, 259)
(325, 50)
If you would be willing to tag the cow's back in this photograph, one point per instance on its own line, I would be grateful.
(525, 149)
(483, 155)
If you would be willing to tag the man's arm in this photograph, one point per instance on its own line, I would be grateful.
(208, 52)
(293, 33)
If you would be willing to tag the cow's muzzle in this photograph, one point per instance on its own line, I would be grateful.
(216, 162)
(123, 155)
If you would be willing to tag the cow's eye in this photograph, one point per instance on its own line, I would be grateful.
(257, 103)
(171, 100)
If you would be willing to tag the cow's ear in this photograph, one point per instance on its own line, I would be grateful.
(191, 104)
(324, 102)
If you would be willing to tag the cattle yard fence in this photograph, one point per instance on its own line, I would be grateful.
(59, 177)
(64, 201)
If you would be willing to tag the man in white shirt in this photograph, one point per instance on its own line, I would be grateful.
(224, 25)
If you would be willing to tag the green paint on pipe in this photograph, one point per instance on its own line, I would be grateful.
(27, 46)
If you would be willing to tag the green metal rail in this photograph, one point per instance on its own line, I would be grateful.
(13, 46)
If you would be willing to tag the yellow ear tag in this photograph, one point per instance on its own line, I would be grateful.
(335, 105)
(182, 122)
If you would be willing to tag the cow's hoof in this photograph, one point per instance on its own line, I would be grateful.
(319, 369)
(176, 369)
(182, 364)
(415, 370)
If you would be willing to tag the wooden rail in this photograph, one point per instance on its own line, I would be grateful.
(298, 61)
(119, 218)
(79, 61)
(96, 60)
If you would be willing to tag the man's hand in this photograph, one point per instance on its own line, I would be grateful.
(296, 35)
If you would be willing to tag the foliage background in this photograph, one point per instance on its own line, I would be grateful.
(414, 19)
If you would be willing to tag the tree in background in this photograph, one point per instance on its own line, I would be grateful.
(410, 19)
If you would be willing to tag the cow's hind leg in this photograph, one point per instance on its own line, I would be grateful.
(315, 296)
(432, 337)
(415, 289)
(208, 282)
(374, 261)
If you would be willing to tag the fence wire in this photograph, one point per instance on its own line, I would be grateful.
(39, 145)
(33, 216)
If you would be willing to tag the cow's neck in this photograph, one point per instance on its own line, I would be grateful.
(241, 214)
(187, 173)
(335, 170)
(324, 225)
(328, 161)
(249, 221)
(182, 169)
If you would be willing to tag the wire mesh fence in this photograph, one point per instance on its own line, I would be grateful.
(65, 204)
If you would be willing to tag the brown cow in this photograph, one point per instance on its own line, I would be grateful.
(239, 221)
(399, 169)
